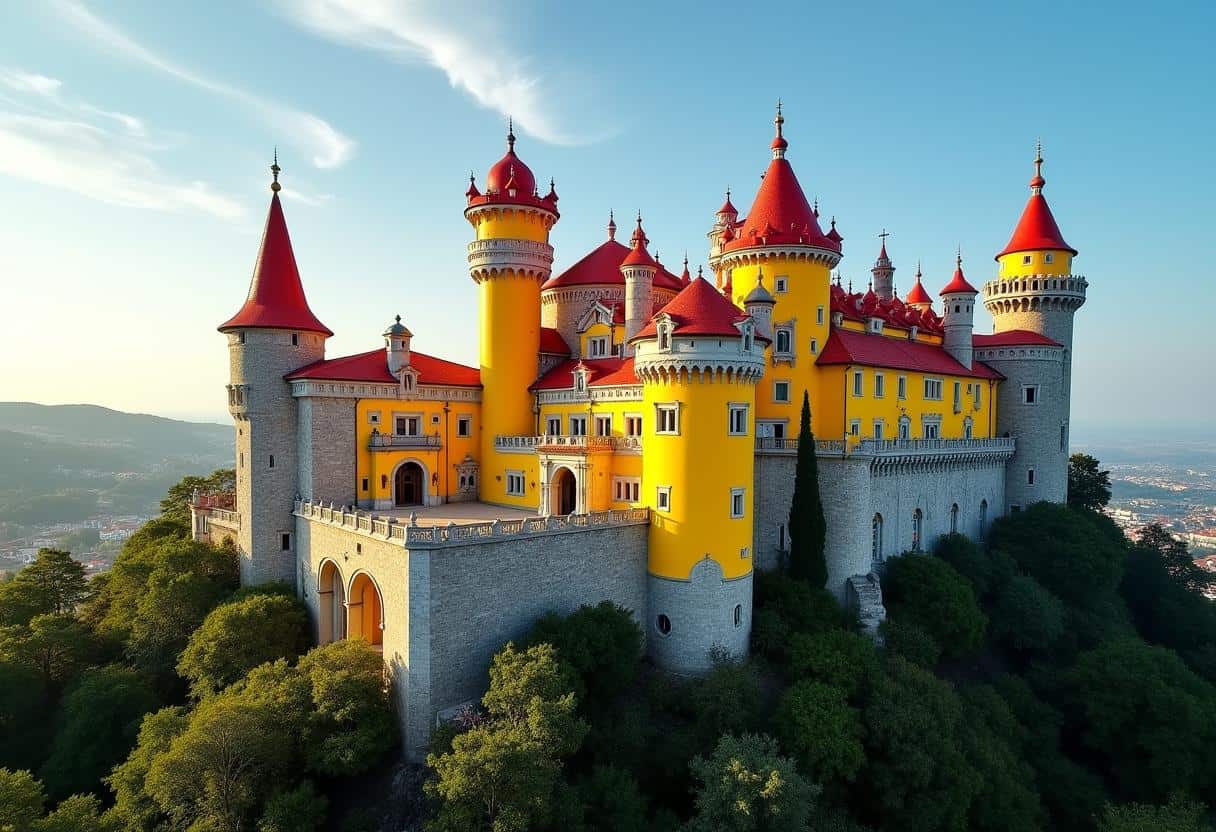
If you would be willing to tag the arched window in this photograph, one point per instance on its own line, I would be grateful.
(738, 615)
(663, 624)
(983, 518)
(918, 521)
(905, 427)
(876, 539)
(954, 519)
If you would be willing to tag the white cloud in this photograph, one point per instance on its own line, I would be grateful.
(21, 81)
(328, 147)
(494, 77)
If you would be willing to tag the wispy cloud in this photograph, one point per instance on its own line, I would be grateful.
(21, 81)
(493, 76)
(327, 146)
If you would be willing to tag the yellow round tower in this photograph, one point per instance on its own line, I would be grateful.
(509, 258)
(699, 360)
(781, 243)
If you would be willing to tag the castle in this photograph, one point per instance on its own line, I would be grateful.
(630, 433)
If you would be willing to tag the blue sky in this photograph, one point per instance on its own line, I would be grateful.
(135, 139)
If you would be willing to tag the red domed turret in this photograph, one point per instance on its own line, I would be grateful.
(638, 255)
(1036, 229)
(510, 172)
(918, 297)
(958, 284)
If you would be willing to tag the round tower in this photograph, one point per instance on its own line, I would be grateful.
(958, 317)
(638, 268)
(699, 360)
(884, 271)
(273, 333)
(509, 258)
(1033, 300)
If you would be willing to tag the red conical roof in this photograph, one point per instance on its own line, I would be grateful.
(1036, 229)
(699, 309)
(918, 293)
(276, 295)
(638, 255)
(958, 283)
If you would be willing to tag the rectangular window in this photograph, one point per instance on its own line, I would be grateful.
(781, 391)
(975, 391)
(464, 426)
(603, 424)
(515, 483)
(958, 396)
(905, 429)
(272, 460)
(365, 483)
(553, 425)
(1027, 259)
(597, 347)
(736, 502)
(933, 389)
(967, 429)
(1030, 476)
(859, 380)
(578, 425)
(626, 489)
(1030, 394)
(901, 387)
(667, 418)
(295, 339)
(880, 385)
(783, 343)
(814, 346)
(662, 498)
(931, 430)
(854, 427)
(1064, 437)
(373, 417)
(407, 425)
(878, 424)
(737, 422)
(782, 284)
(285, 541)
(819, 315)
(633, 424)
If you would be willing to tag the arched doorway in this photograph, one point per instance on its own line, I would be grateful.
(365, 617)
(408, 483)
(331, 606)
(563, 492)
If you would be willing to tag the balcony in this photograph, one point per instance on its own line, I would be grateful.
(392, 441)
(773, 444)
(932, 446)
(560, 443)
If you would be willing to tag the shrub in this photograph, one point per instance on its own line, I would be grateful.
(1026, 616)
(747, 785)
(911, 642)
(823, 733)
(602, 644)
(836, 657)
(930, 593)
(986, 569)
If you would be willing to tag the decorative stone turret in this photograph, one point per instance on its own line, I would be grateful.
(918, 298)
(958, 320)
(884, 271)
(397, 345)
(759, 304)
(638, 269)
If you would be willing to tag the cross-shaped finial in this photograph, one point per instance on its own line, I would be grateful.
(274, 171)
(884, 234)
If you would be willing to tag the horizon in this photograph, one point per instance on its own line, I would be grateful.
(143, 136)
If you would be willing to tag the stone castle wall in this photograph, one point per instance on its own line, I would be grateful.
(327, 452)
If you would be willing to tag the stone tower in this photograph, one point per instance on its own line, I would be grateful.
(1033, 300)
(883, 272)
(274, 333)
(509, 258)
(699, 361)
(638, 268)
(958, 315)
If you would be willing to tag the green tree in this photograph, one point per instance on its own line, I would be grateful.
(1088, 485)
(78, 813)
(1176, 556)
(916, 775)
(611, 801)
(25, 706)
(97, 726)
(299, 809)
(931, 594)
(175, 507)
(993, 742)
(836, 657)
(1026, 616)
(747, 786)
(603, 644)
(725, 700)
(21, 799)
(808, 528)
(1179, 815)
(53, 583)
(54, 645)
(1151, 719)
(988, 570)
(910, 642)
(822, 731)
(504, 773)
(236, 637)
(785, 606)
(134, 807)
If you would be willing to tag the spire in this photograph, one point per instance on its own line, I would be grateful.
(611, 225)
(779, 143)
(638, 256)
(1036, 229)
(882, 254)
(728, 207)
(684, 276)
(883, 271)
(918, 297)
(276, 295)
(274, 171)
(1037, 181)
(958, 283)
(510, 135)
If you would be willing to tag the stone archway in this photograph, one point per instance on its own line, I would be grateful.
(331, 604)
(563, 492)
(409, 485)
(365, 610)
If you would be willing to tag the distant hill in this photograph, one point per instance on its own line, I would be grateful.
(67, 462)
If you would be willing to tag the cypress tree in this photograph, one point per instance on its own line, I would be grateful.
(808, 528)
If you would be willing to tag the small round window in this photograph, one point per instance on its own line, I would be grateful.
(664, 624)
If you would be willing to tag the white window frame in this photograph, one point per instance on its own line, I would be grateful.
(577, 423)
(667, 419)
(859, 383)
(1037, 396)
(626, 489)
(854, 427)
(407, 417)
(905, 428)
(770, 428)
(464, 426)
(553, 425)
(879, 425)
(977, 392)
(1030, 478)
(734, 413)
(373, 417)
(788, 334)
(968, 428)
(819, 315)
(662, 498)
(633, 424)
(781, 284)
(516, 483)
(1049, 257)
(597, 346)
(1027, 259)
(934, 389)
(930, 428)
(738, 503)
(814, 346)
(779, 385)
(901, 387)
(880, 385)
(602, 419)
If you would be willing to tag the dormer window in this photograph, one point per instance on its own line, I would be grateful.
(876, 325)
(409, 380)
(746, 330)
(580, 381)
(664, 328)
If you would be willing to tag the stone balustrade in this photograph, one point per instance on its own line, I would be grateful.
(380, 441)
(532, 443)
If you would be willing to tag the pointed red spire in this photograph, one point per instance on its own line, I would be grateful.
(958, 283)
(276, 296)
(638, 255)
(918, 296)
(685, 278)
(472, 191)
(728, 207)
(779, 143)
(1036, 229)
(611, 226)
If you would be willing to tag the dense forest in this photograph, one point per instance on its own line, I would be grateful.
(1056, 676)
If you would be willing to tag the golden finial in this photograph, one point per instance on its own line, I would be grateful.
(274, 171)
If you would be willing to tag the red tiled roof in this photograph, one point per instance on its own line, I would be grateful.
(373, 366)
(1012, 338)
(509, 180)
(858, 307)
(700, 309)
(918, 294)
(276, 296)
(958, 283)
(847, 347)
(780, 214)
(601, 371)
(602, 267)
(552, 342)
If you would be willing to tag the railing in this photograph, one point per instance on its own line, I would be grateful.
(822, 446)
(409, 533)
(226, 517)
(879, 446)
(616, 443)
(392, 440)
(225, 499)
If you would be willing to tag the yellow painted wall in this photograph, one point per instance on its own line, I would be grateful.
(377, 467)
(494, 468)
(615, 335)
(701, 465)
(1011, 265)
(504, 223)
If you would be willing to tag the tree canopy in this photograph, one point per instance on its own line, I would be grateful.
(1088, 484)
